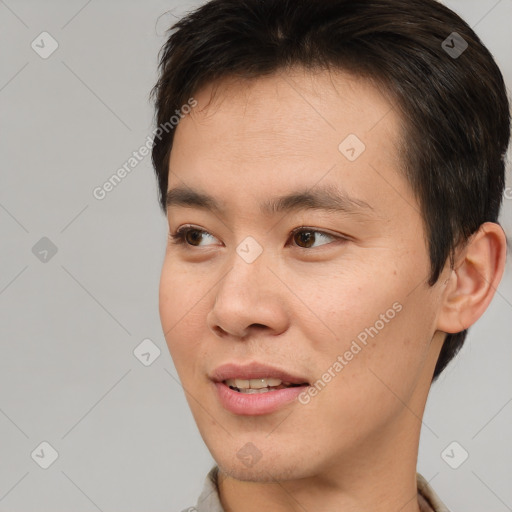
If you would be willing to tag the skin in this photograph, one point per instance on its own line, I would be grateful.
(354, 446)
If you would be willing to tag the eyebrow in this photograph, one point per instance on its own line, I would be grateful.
(321, 197)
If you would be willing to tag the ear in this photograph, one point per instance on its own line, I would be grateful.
(471, 284)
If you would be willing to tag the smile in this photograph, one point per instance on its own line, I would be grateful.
(252, 386)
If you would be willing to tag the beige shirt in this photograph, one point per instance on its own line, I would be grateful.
(209, 500)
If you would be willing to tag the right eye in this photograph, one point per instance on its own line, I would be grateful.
(188, 235)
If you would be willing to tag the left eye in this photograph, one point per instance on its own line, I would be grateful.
(305, 237)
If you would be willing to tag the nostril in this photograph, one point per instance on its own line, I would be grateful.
(258, 326)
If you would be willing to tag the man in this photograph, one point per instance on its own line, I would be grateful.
(332, 191)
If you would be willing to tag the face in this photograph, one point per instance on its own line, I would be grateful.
(315, 310)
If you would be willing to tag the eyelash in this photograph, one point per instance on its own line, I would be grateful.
(178, 238)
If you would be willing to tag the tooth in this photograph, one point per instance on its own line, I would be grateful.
(263, 383)
(273, 382)
(258, 383)
(253, 383)
(241, 383)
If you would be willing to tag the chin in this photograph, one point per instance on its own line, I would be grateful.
(249, 464)
(263, 472)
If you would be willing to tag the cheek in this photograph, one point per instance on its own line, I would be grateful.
(352, 306)
(386, 358)
(182, 313)
(182, 292)
(167, 299)
(372, 382)
(381, 326)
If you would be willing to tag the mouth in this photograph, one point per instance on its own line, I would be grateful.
(256, 388)
(262, 385)
(256, 376)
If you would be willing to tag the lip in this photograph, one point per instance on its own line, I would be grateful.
(259, 403)
(254, 370)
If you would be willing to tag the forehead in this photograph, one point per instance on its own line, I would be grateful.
(297, 103)
(289, 129)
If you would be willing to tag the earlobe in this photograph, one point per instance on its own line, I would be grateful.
(474, 279)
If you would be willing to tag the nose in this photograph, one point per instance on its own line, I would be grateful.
(249, 299)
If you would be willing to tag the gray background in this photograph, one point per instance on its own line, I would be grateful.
(125, 438)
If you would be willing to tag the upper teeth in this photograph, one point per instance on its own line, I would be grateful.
(253, 383)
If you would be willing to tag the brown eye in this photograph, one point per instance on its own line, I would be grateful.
(188, 236)
(193, 236)
(305, 238)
